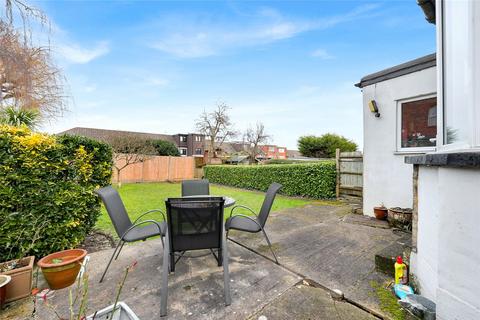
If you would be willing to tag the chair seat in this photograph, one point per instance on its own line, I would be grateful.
(242, 224)
(143, 232)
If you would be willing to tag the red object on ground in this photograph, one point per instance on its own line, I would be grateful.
(399, 260)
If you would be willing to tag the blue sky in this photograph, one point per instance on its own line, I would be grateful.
(155, 66)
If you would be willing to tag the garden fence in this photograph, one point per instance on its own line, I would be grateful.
(157, 169)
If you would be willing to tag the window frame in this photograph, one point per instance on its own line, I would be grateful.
(183, 138)
(201, 151)
(180, 149)
(398, 133)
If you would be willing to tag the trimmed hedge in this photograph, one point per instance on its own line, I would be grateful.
(307, 180)
(47, 183)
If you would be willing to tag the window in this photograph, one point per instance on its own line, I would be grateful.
(198, 138)
(183, 138)
(271, 149)
(183, 151)
(418, 123)
(281, 150)
(198, 151)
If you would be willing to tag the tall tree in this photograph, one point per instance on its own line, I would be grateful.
(216, 126)
(128, 150)
(29, 79)
(165, 148)
(254, 137)
(325, 145)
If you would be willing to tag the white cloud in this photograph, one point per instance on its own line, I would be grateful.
(75, 53)
(322, 54)
(196, 36)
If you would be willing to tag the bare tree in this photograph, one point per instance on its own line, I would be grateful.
(29, 79)
(128, 150)
(254, 137)
(216, 126)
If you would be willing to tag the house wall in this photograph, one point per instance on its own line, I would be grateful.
(447, 262)
(448, 197)
(386, 178)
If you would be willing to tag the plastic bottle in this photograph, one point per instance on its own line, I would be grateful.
(401, 276)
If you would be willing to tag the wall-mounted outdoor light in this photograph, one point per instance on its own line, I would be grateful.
(374, 108)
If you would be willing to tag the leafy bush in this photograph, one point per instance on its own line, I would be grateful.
(47, 183)
(325, 145)
(165, 148)
(308, 180)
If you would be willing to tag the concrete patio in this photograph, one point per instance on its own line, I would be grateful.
(317, 249)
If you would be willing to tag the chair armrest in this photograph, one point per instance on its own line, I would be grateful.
(247, 217)
(140, 223)
(150, 211)
(242, 207)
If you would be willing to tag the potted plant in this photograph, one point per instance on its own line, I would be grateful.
(381, 212)
(20, 268)
(60, 269)
(78, 302)
(4, 280)
(400, 217)
(21, 273)
(118, 310)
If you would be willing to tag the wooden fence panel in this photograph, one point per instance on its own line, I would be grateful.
(157, 169)
(349, 173)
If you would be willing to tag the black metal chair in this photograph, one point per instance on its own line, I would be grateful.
(246, 223)
(127, 230)
(197, 224)
(195, 188)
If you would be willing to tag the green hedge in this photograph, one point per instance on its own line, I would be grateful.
(307, 180)
(47, 183)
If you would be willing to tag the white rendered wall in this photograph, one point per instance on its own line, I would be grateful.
(447, 262)
(387, 179)
(452, 225)
(424, 262)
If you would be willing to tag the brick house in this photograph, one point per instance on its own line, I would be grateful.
(273, 152)
(190, 144)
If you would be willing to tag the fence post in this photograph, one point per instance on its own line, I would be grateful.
(337, 165)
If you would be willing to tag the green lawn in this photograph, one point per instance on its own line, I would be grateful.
(141, 197)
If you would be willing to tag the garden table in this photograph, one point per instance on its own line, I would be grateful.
(228, 200)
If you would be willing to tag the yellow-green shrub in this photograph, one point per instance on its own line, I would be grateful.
(46, 190)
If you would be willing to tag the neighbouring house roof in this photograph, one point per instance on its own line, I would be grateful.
(107, 135)
(399, 70)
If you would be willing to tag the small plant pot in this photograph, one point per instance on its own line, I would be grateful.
(381, 213)
(60, 269)
(4, 280)
(399, 217)
(20, 285)
(123, 312)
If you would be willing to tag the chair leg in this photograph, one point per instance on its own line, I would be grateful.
(109, 262)
(226, 274)
(165, 270)
(220, 257)
(270, 246)
(121, 247)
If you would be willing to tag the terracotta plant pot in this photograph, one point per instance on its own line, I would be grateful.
(21, 284)
(4, 280)
(60, 269)
(381, 213)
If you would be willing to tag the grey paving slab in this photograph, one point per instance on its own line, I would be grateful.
(195, 289)
(315, 242)
(312, 241)
(303, 302)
